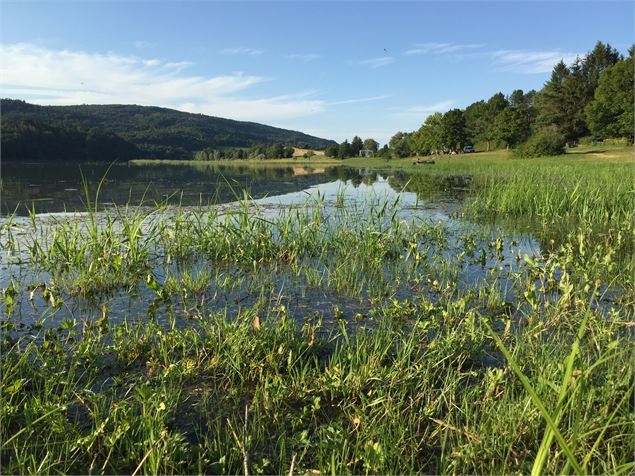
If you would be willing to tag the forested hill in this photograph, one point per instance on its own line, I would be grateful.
(106, 132)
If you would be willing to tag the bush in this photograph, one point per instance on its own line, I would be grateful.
(622, 141)
(547, 141)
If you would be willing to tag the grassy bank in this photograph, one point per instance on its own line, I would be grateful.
(528, 367)
(328, 338)
(590, 185)
(416, 391)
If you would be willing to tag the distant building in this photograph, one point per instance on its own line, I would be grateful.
(366, 153)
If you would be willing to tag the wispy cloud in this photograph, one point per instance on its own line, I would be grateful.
(263, 109)
(425, 110)
(530, 62)
(517, 61)
(304, 57)
(360, 100)
(45, 76)
(432, 48)
(377, 62)
(241, 51)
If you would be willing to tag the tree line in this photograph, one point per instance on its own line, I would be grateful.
(592, 97)
(149, 132)
(30, 140)
(352, 149)
(258, 151)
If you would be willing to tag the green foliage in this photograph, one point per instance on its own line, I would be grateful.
(371, 144)
(414, 385)
(512, 126)
(453, 132)
(428, 139)
(356, 146)
(544, 142)
(508, 121)
(157, 133)
(384, 152)
(400, 145)
(563, 99)
(30, 140)
(610, 114)
(258, 151)
(344, 150)
(332, 150)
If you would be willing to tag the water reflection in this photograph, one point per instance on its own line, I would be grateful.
(57, 187)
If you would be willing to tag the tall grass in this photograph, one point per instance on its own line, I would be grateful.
(528, 368)
(555, 194)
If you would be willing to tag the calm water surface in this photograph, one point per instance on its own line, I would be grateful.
(55, 191)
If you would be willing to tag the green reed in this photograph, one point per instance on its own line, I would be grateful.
(528, 369)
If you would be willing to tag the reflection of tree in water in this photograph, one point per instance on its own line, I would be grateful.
(354, 176)
(429, 187)
(370, 178)
(255, 172)
(57, 186)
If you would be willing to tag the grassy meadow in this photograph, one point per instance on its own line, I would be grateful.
(438, 348)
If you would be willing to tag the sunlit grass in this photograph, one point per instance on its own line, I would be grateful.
(528, 367)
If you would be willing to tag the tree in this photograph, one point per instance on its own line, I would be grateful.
(356, 146)
(453, 131)
(550, 100)
(344, 150)
(601, 57)
(495, 105)
(429, 138)
(332, 150)
(565, 96)
(610, 114)
(511, 127)
(384, 152)
(371, 144)
(399, 144)
(476, 121)
(274, 151)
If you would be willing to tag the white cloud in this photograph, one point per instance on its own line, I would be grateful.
(306, 57)
(265, 109)
(530, 62)
(425, 111)
(241, 51)
(359, 100)
(441, 48)
(44, 76)
(517, 61)
(377, 62)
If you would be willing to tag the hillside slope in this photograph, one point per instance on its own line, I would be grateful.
(151, 132)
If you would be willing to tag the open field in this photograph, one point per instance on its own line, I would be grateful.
(503, 160)
(330, 336)
(297, 152)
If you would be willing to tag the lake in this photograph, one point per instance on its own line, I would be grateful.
(348, 197)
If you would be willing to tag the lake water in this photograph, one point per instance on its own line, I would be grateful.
(56, 193)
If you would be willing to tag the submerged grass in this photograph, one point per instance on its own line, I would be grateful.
(528, 368)
(408, 393)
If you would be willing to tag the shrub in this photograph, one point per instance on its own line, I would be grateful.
(622, 141)
(547, 141)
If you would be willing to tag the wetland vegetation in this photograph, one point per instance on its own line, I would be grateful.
(474, 316)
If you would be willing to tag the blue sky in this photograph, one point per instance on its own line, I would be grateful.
(333, 69)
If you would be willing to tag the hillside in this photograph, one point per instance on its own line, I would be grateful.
(31, 132)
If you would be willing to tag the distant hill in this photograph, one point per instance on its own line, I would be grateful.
(106, 132)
